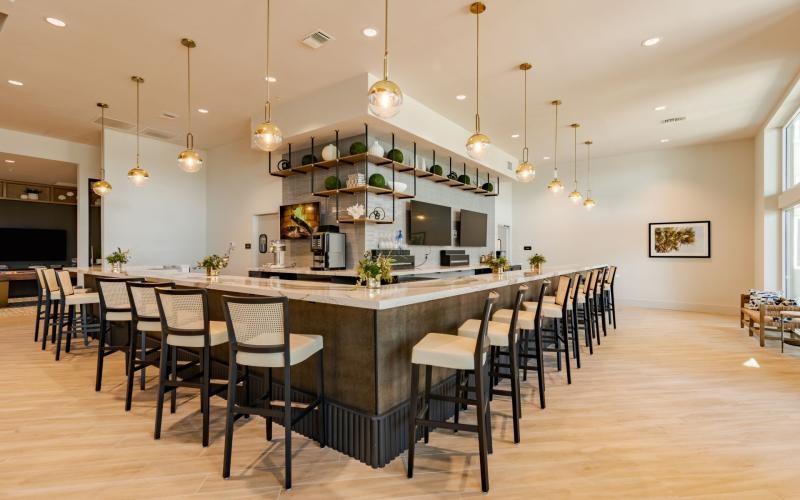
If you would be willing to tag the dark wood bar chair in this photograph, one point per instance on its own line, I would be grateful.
(145, 319)
(590, 310)
(74, 307)
(608, 294)
(115, 308)
(504, 341)
(185, 324)
(599, 301)
(51, 298)
(456, 353)
(40, 300)
(557, 312)
(259, 336)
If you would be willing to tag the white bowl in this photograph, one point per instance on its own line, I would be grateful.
(400, 187)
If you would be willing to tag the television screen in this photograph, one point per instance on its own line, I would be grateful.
(472, 230)
(429, 224)
(299, 221)
(32, 245)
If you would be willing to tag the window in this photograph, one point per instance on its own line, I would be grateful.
(792, 251)
(792, 162)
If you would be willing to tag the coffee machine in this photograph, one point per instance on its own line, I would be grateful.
(278, 249)
(329, 251)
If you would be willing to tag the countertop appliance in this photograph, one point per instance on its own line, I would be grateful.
(329, 251)
(278, 248)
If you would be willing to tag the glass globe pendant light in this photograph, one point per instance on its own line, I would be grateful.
(268, 137)
(526, 172)
(478, 143)
(137, 175)
(555, 186)
(589, 203)
(189, 160)
(575, 196)
(385, 96)
(102, 187)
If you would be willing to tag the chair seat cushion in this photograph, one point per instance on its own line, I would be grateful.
(82, 298)
(498, 331)
(118, 316)
(149, 326)
(525, 319)
(446, 351)
(549, 309)
(217, 334)
(301, 347)
(549, 299)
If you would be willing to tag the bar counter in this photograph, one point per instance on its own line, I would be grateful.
(368, 336)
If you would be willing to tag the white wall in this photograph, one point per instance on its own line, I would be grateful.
(239, 187)
(707, 182)
(86, 157)
(162, 222)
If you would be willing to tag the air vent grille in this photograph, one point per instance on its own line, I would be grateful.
(118, 124)
(674, 119)
(316, 39)
(157, 134)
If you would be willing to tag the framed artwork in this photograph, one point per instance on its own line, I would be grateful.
(680, 239)
(298, 221)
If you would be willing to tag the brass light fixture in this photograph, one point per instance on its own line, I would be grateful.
(385, 96)
(478, 143)
(268, 137)
(589, 203)
(526, 172)
(137, 175)
(189, 160)
(575, 196)
(102, 187)
(555, 185)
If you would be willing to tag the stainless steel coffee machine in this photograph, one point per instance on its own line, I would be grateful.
(329, 251)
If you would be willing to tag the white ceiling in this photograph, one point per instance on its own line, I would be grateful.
(721, 63)
(37, 170)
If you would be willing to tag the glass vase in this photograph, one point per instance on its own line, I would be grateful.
(212, 272)
(374, 283)
(116, 267)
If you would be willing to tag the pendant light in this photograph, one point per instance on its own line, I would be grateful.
(137, 175)
(102, 187)
(478, 143)
(589, 203)
(526, 172)
(189, 160)
(268, 137)
(555, 185)
(575, 196)
(385, 96)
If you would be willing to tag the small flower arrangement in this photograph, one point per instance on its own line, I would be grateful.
(373, 270)
(536, 260)
(213, 263)
(498, 264)
(118, 258)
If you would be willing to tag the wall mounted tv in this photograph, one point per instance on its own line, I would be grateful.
(298, 221)
(429, 224)
(32, 245)
(472, 229)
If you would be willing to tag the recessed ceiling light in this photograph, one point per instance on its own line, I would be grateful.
(651, 41)
(664, 140)
(16, 83)
(461, 97)
(202, 110)
(546, 158)
(55, 22)
(659, 108)
(11, 161)
(270, 79)
(369, 32)
(514, 136)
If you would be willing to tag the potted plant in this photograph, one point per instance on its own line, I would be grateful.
(118, 258)
(536, 260)
(498, 264)
(373, 270)
(213, 263)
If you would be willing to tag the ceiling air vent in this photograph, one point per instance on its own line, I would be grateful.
(118, 124)
(316, 39)
(674, 119)
(169, 115)
(157, 134)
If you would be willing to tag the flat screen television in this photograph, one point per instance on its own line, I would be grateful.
(429, 224)
(32, 245)
(472, 230)
(298, 221)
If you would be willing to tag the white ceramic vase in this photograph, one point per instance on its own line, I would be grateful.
(376, 149)
(329, 152)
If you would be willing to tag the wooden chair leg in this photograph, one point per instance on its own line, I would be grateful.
(268, 403)
(321, 425)
(480, 396)
(143, 375)
(412, 418)
(204, 392)
(516, 407)
(231, 397)
(162, 379)
(38, 317)
(427, 401)
(131, 371)
(101, 347)
(60, 329)
(539, 366)
(172, 354)
(565, 334)
(287, 426)
(456, 404)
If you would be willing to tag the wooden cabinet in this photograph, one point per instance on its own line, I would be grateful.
(38, 193)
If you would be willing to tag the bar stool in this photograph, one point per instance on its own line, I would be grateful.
(115, 307)
(557, 311)
(599, 299)
(456, 353)
(258, 336)
(145, 319)
(608, 294)
(51, 298)
(71, 299)
(587, 292)
(40, 300)
(185, 324)
(502, 336)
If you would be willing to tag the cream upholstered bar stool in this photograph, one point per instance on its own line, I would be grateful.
(608, 295)
(185, 325)
(115, 308)
(590, 314)
(41, 286)
(557, 312)
(145, 319)
(259, 336)
(453, 352)
(73, 307)
(51, 298)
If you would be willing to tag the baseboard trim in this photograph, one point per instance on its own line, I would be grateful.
(681, 306)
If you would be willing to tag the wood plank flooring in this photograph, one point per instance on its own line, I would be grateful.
(665, 408)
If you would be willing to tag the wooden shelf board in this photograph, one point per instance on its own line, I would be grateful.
(492, 194)
(399, 195)
(480, 191)
(283, 173)
(454, 183)
(364, 221)
(358, 158)
(326, 193)
(304, 169)
(361, 189)
(467, 187)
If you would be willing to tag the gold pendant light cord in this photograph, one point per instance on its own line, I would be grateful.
(588, 170)
(575, 156)
(102, 142)
(189, 136)
(477, 72)
(386, 40)
(137, 122)
(555, 147)
(525, 117)
(268, 106)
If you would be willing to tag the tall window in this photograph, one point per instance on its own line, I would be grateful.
(792, 141)
(791, 263)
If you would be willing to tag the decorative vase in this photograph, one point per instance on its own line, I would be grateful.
(536, 268)
(329, 152)
(498, 271)
(212, 272)
(376, 149)
(374, 283)
(116, 267)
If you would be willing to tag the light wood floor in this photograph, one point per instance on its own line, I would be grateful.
(665, 408)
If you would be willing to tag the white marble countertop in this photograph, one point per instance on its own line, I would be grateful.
(387, 297)
(427, 269)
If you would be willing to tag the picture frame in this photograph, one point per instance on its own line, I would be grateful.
(679, 240)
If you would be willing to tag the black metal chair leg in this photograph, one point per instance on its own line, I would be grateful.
(427, 401)
(269, 403)
(516, 407)
(38, 316)
(565, 334)
(539, 366)
(287, 426)
(231, 397)
(172, 354)
(204, 392)
(142, 375)
(480, 396)
(556, 328)
(48, 308)
(412, 418)
(321, 429)
(130, 372)
(101, 347)
(613, 307)
(162, 379)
